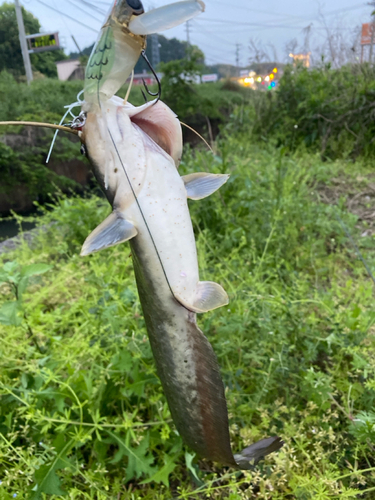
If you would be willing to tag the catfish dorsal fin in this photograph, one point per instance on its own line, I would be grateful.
(201, 184)
(113, 230)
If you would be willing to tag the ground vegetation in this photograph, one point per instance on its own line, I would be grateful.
(82, 410)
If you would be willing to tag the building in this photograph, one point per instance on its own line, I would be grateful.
(70, 69)
(303, 59)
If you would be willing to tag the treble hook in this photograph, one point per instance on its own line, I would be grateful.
(153, 94)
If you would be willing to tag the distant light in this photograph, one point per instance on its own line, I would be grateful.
(275, 69)
(269, 87)
(247, 80)
(272, 76)
(259, 79)
(273, 84)
(262, 83)
(251, 80)
(267, 78)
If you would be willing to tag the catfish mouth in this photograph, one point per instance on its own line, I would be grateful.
(161, 125)
(158, 134)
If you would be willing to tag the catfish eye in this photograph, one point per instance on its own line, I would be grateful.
(137, 6)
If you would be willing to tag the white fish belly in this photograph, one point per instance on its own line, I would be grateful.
(166, 226)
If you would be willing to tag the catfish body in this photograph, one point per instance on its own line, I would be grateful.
(149, 201)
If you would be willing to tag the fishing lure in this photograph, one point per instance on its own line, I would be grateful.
(122, 39)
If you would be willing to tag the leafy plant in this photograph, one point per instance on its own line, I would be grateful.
(17, 278)
(324, 109)
(87, 415)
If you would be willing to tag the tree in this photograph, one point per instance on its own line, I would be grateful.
(178, 85)
(10, 49)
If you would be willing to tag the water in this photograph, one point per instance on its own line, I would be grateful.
(10, 228)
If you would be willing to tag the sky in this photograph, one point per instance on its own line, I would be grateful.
(226, 26)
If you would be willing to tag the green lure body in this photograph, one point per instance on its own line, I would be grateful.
(114, 56)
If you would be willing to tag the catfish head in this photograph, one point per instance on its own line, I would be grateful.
(118, 141)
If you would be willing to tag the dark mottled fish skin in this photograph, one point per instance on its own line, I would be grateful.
(186, 364)
(188, 369)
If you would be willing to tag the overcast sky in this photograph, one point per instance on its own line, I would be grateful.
(225, 23)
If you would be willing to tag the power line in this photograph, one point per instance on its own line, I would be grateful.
(98, 9)
(87, 13)
(250, 9)
(259, 26)
(69, 17)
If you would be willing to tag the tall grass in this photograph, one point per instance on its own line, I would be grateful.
(82, 410)
(323, 109)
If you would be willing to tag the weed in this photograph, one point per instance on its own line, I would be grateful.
(82, 410)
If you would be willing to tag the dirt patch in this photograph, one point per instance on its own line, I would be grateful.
(359, 198)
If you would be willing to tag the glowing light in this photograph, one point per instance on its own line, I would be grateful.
(269, 87)
(262, 83)
(251, 80)
(272, 76)
(275, 70)
(247, 80)
(259, 79)
(267, 78)
(273, 84)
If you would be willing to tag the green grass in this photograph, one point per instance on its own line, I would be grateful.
(81, 407)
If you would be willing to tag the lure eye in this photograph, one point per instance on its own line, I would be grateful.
(137, 6)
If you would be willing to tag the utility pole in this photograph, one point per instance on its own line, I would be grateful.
(238, 46)
(188, 32)
(24, 48)
(155, 52)
(372, 4)
(187, 26)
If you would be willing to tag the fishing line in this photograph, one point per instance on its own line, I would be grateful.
(143, 217)
(42, 125)
(198, 134)
(127, 177)
(129, 88)
(69, 110)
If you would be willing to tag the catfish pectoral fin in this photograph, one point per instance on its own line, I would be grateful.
(201, 184)
(113, 230)
(251, 455)
(208, 296)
